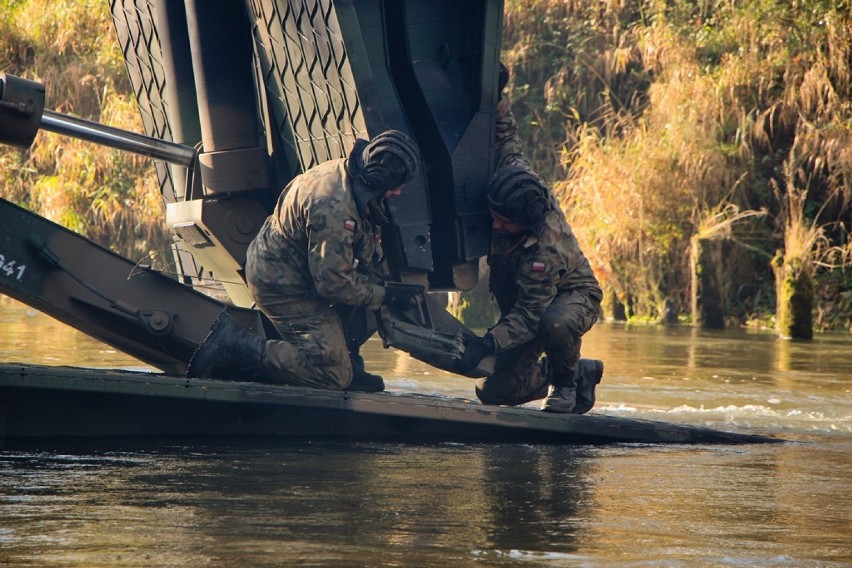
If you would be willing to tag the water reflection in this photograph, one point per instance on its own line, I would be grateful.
(329, 504)
(546, 490)
(386, 501)
(29, 336)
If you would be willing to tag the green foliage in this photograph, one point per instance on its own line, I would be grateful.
(650, 117)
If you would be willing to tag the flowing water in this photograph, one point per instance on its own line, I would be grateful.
(283, 503)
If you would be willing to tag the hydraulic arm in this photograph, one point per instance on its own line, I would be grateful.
(22, 114)
(136, 310)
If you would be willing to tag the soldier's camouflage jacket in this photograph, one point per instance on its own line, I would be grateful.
(315, 247)
(528, 271)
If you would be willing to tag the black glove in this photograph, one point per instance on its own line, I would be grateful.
(475, 350)
(402, 296)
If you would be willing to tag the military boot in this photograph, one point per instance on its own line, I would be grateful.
(562, 398)
(228, 352)
(362, 381)
(587, 377)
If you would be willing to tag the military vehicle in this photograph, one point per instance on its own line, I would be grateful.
(238, 97)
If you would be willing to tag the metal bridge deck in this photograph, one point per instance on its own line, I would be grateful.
(44, 403)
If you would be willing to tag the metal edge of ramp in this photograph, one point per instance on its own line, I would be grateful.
(102, 396)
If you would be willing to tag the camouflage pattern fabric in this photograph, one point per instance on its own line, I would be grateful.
(312, 253)
(520, 376)
(507, 142)
(315, 247)
(529, 271)
(313, 351)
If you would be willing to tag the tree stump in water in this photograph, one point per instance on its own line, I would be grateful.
(668, 315)
(794, 290)
(707, 264)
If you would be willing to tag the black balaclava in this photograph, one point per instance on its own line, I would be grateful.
(386, 162)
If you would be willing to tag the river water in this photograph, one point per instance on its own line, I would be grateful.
(321, 503)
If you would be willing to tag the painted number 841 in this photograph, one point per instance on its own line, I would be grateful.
(11, 269)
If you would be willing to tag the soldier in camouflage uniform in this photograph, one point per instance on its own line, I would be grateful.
(546, 290)
(548, 298)
(314, 257)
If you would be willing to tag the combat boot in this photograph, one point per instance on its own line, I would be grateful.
(587, 377)
(228, 352)
(561, 399)
(362, 381)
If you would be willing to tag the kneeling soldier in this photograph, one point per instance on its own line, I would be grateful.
(548, 298)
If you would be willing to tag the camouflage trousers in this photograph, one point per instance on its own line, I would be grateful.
(521, 375)
(313, 351)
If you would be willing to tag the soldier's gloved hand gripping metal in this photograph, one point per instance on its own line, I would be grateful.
(476, 349)
(402, 296)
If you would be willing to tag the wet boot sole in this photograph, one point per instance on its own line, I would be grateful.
(365, 386)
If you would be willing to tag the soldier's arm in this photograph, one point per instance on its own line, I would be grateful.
(331, 260)
(507, 142)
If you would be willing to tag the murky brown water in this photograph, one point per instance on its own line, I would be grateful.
(371, 504)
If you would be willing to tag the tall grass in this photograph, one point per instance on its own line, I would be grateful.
(107, 195)
(651, 117)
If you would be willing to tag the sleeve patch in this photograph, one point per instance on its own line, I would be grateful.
(349, 225)
(538, 267)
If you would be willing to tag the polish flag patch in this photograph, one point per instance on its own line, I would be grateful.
(538, 267)
(349, 225)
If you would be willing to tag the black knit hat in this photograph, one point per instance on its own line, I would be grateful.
(390, 160)
(518, 194)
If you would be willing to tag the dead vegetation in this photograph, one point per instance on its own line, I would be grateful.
(650, 119)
